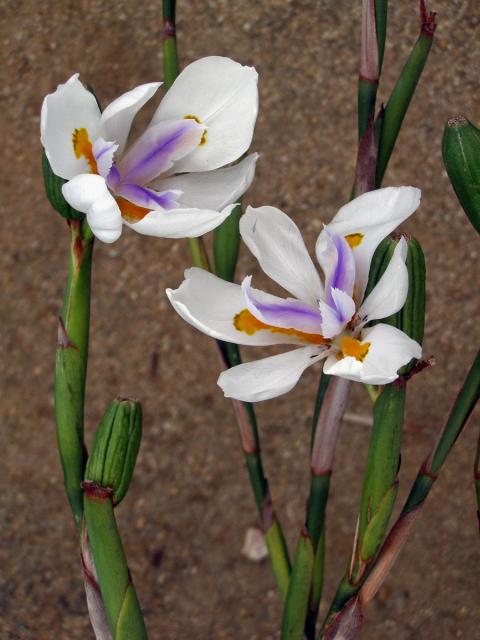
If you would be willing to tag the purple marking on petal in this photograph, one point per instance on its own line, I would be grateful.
(103, 151)
(288, 314)
(113, 178)
(342, 276)
(158, 148)
(148, 198)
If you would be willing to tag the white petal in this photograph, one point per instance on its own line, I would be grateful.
(269, 377)
(70, 107)
(116, 120)
(211, 304)
(105, 219)
(82, 191)
(180, 223)
(223, 95)
(104, 152)
(391, 290)
(389, 350)
(373, 215)
(276, 242)
(212, 189)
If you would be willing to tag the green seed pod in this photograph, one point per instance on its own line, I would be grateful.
(115, 448)
(411, 318)
(53, 189)
(461, 156)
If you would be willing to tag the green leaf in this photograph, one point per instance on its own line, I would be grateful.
(226, 245)
(378, 525)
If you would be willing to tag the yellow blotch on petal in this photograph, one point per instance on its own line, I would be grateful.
(203, 139)
(249, 324)
(353, 348)
(354, 239)
(131, 212)
(82, 147)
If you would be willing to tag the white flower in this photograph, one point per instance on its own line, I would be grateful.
(204, 122)
(326, 321)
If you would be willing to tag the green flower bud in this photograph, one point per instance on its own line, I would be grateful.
(115, 448)
(411, 317)
(461, 156)
(53, 189)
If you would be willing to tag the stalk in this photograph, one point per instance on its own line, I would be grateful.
(403, 91)
(71, 365)
(123, 611)
(296, 603)
(226, 247)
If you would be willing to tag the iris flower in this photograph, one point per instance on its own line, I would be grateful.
(204, 122)
(325, 320)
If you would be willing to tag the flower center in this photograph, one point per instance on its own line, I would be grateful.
(353, 348)
(249, 324)
(203, 139)
(82, 147)
(354, 239)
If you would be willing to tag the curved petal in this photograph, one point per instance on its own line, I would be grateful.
(223, 96)
(105, 219)
(71, 107)
(289, 313)
(82, 191)
(180, 223)
(276, 242)
(103, 152)
(211, 305)
(147, 198)
(336, 316)
(366, 220)
(389, 350)
(269, 377)
(157, 149)
(390, 292)
(338, 264)
(212, 189)
(116, 120)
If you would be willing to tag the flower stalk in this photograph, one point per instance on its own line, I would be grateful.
(71, 365)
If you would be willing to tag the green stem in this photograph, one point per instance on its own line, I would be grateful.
(296, 603)
(170, 55)
(119, 597)
(71, 366)
(402, 94)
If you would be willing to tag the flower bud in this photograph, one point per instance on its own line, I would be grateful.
(53, 189)
(115, 448)
(411, 317)
(461, 156)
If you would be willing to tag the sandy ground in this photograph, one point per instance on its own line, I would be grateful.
(189, 506)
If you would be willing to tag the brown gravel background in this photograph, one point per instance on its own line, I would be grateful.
(185, 518)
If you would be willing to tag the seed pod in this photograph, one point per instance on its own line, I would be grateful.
(53, 189)
(114, 452)
(461, 156)
(411, 317)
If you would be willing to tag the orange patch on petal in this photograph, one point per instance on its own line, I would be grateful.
(249, 324)
(354, 348)
(131, 212)
(82, 147)
(354, 239)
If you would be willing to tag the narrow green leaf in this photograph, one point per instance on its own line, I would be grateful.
(377, 527)
(296, 604)
(278, 552)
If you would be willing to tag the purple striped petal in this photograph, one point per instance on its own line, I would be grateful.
(103, 152)
(335, 316)
(148, 198)
(338, 263)
(288, 314)
(158, 148)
